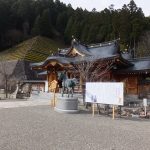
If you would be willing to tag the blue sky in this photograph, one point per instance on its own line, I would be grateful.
(101, 4)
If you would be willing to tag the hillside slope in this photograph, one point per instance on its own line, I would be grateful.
(35, 50)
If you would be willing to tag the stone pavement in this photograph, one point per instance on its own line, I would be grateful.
(41, 128)
(33, 125)
(34, 100)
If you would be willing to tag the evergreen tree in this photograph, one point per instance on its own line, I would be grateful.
(45, 26)
(84, 34)
(68, 30)
(61, 22)
(54, 19)
(92, 34)
(36, 28)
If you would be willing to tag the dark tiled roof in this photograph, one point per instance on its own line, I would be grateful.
(58, 59)
(139, 66)
(90, 58)
(63, 52)
(42, 73)
(104, 50)
(82, 49)
(107, 50)
(126, 55)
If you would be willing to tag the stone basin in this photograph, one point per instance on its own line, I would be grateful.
(67, 105)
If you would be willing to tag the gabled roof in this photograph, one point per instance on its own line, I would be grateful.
(79, 47)
(49, 61)
(102, 50)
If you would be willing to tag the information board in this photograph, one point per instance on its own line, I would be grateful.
(53, 85)
(104, 92)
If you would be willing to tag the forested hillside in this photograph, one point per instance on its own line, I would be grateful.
(35, 49)
(23, 19)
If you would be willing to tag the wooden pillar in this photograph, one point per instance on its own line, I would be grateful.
(81, 82)
(48, 80)
(138, 85)
(71, 75)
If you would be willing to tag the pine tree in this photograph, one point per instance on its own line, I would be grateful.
(45, 25)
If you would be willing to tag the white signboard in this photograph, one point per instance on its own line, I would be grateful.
(145, 102)
(104, 92)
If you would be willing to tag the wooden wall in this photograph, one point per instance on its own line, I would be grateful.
(38, 86)
(144, 90)
(130, 83)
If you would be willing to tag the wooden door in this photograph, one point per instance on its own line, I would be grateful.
(132, 85)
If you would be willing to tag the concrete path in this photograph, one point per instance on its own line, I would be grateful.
(21, 103)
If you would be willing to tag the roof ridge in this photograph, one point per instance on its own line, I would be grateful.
(141, 58)
(101, 44)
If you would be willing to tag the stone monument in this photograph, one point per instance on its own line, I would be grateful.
(65, 103)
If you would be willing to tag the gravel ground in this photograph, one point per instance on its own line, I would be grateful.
(41, 128)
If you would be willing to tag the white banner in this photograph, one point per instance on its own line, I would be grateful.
(145, 102)
(104, 92)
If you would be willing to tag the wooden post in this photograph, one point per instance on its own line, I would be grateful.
(93, 110)
(53, 88)
(81, 82)
(145, 110)
(54, 98)
(113, 112)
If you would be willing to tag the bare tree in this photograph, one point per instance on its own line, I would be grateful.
(4, 71)
(143, 48)
(11, 72)
(93, 70)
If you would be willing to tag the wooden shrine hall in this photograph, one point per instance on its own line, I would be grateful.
(134, 72)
